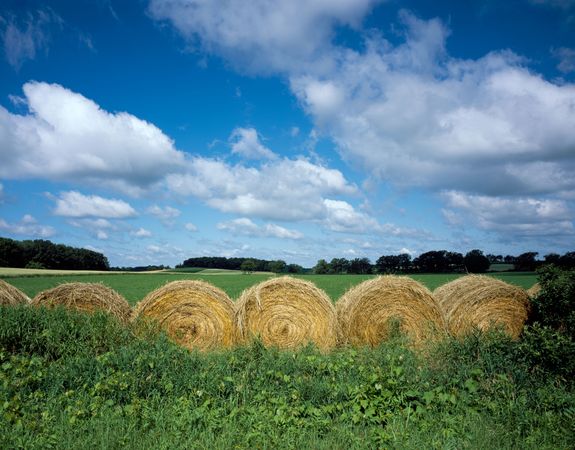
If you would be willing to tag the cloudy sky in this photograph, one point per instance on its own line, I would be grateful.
(157, 130)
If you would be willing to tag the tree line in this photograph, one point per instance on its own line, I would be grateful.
(43, 254)
(243, 264)
(441, 261)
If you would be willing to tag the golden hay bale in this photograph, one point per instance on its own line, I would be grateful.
(9, 295)
(483, 302)
(85, 297)
(195, 314)
(287, 313)
(367, 312)
(534, 290)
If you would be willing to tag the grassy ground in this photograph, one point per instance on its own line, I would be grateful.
(135, 286)
(69, 380)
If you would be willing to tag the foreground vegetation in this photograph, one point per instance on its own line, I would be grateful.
(134, 287)
(67, 379)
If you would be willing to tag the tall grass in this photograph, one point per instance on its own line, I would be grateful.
(68, 379)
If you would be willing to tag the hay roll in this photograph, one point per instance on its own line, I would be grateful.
(9, 295)
(367, 311)
(85, 297)
(534, 290)
(195, 314)
(287, 313)
(479, 301)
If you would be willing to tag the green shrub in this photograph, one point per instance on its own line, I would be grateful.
(554, 307)
(56, 333)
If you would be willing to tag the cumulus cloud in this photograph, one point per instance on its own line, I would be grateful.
(75, 204)
(407, 113)
(277, 190)
(245, 142)
(286, 35)
(566, 57)
(24, 39)
(191, 227)
(519, 216)
(246, 227)
(342, 217)
(141, 233)
(28, 226)
(166, 214)
(67, 137)
(415, 116)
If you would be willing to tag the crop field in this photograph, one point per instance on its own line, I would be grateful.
(135, 286)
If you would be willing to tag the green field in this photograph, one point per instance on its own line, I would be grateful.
(135, 286)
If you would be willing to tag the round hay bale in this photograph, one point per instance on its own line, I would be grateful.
(287, 313)
(10, 295)
(534, 290)
(85, 297)
(368, 311)
(483, 302)
(195, 314)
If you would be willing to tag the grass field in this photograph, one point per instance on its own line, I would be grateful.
(135, 286)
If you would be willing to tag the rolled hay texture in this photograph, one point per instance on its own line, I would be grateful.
(86, 297)
(287, 313)
(534, 290)
(10, 295)
(482, 302)
(194, 314)
(368, 311)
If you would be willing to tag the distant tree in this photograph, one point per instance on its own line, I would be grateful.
(508, 259)
(494, 259)
(404, 263)
(552, 258)
(278, 266)
(321, 267)
(526, 262)
(339, 265)
(295, 268)
(476, 262)
(432, 262)
(248, 266)
(360, 266)
(454, 261)
(567, 260)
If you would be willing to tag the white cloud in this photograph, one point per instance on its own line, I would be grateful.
(92, 223)
(75, 204)
(342, 217)
(167, 214)
(22, 41)
(415, 116)
(523, 216)
(566, 57)
(191, 227)
(66, 136)
(246, 227)
(284, 34)
(245, 142)
(278, 190)
(141, 233)
(102, 235)
(28, 227)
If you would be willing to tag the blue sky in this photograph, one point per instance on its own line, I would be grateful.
(157, 130)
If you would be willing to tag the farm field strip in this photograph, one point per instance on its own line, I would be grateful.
(135, 286)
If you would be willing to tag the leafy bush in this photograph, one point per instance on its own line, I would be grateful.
(554, 307)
